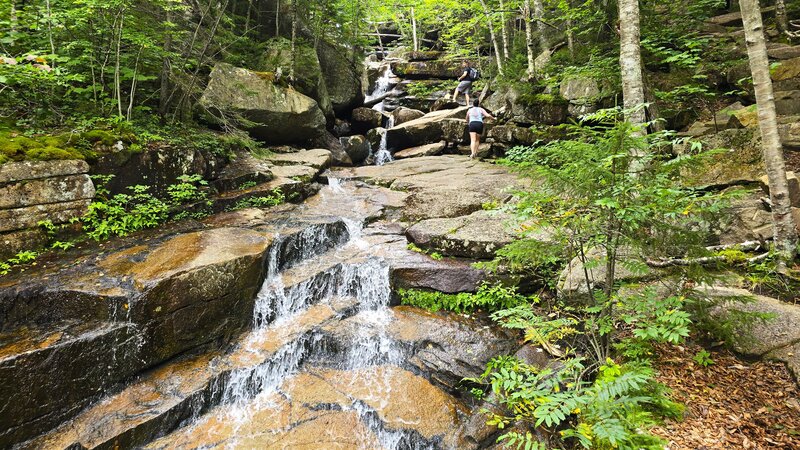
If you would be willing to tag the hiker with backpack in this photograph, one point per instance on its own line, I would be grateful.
(475, 116)
(468, 75)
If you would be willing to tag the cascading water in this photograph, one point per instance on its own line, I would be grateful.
(383, 156)
(382, 86)
(349, 272)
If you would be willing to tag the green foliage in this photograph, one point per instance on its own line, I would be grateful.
(612, 411)
(703, 358)
(188, 189)
(21, 258)
(488, 298)
(275, 198)
(123, 214)
(423, 90)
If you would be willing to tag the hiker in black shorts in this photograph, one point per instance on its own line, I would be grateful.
(465, 82)
(475, 116)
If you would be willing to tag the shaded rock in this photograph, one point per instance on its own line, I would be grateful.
(45, 376)
(762, 337)
(424, 55)
(572, 281)
(425, 130)
(784, 52)
(441, 69)
(374, 136)
(307, 72)
(329, 142)
(786, 70)
(423, 150)
(244, 169)
(30, 216)
(365, 119)
(741, 164)
(787, 102)
(484, 150)
(271, 113)
(343, 76)
(157, 167)
(790, 133)
(455, 131)
(745, 220)
(476, 236)
(511, 134)
(342, 128)
(793, 184)
(444, 103)
(32, 170)
(402, 115)
(528, 109)
(316, 158)
(14, 242)
(357, 148)
(46, 190)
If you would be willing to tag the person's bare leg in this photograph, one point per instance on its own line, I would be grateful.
(477, 144)
(472, 138)
(455, 94)
(467, 97)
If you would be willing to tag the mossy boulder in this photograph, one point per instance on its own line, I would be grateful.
(740, 164)
(308, 72)
(344, 76)
(266, 110)
(441, 69)
(529, 108)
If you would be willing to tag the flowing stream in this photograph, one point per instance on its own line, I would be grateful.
(347, 278)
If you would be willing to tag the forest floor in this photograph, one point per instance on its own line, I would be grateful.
(731, 404)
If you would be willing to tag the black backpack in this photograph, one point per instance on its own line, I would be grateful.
(474, 75)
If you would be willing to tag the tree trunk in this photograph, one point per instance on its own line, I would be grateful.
(414, 30)
(504, 29)
(538, 15)
(50, 33)
(781, 20)
(630, 63)
(294, 38)
(529, 44)
(497, 54)
(163, 100)
(784, 230)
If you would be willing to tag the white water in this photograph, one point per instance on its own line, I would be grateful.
(383, 156)
(364, 278)
(381, 87)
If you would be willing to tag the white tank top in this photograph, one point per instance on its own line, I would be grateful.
(475, 114)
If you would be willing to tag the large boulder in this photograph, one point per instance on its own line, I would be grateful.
(403, 115)
(455, 131)
(511, 134)
(425, 130)
(365, 119)
(742, 162)
(584, 94)
(266, 110)
(422, 150)
(308, 73)
(528, 109)
(475, 236)
(344, 76)
(329, 142)
(441, 69)
(787, 102)
(356, 147)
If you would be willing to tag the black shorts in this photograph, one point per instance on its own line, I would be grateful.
(476, 127)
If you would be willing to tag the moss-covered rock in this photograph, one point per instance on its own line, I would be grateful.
(344, 76)
(740, 164)
(266, 110)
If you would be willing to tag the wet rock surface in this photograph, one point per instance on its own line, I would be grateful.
(170, 310)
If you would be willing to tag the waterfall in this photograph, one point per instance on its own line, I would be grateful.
(382, 85)
(383, 156)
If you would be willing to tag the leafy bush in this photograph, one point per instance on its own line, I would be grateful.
(275, 198)
(488, 298)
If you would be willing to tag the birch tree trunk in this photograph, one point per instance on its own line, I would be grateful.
(780, 16)
(414, 30)
(630, 63)
(504, 29)
(497, 54)
(164, 91)
(529, 44)
(538, 15)
(784, 230)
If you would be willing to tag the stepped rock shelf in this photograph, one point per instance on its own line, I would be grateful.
(258, 328)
